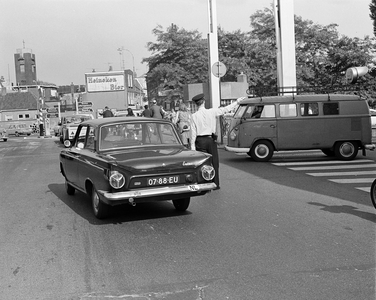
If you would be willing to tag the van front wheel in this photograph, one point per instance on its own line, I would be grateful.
(261, 151)
(346, 150)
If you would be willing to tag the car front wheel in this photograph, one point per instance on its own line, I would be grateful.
(181, 204)
(100, 209)
(261, 151)
(346, 150)
(69, 189)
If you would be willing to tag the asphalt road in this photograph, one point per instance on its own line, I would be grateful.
(272, 232)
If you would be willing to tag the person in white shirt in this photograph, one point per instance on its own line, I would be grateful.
(203, 129)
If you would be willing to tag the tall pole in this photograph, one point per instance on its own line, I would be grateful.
(132, 60)
(214, 82)
(285, 37)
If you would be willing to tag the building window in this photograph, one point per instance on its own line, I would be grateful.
(33, 68)
(27, 116)
(8, 117)
(22, 68)
(20, 117)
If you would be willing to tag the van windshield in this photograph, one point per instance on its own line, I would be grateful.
(255, 111)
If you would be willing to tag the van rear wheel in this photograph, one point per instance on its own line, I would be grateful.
(261, 151)
(346, 150)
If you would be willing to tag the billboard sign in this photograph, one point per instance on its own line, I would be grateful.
(105, 82)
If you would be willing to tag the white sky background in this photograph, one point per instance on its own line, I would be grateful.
(72, 37)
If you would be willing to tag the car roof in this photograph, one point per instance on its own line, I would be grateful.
(301, 98)
(112, 120)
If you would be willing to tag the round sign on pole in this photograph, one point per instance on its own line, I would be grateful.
(218, 69)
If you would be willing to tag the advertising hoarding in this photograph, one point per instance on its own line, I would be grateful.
(105, 82)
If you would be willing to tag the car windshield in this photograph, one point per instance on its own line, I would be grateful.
(77, 119)
(123, 135)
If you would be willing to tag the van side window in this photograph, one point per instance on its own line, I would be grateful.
(331, 108)
(287, 110)
(309, 109)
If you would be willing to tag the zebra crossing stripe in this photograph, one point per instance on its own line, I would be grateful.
(338, 176)
(326, 162)
(353, 180)
(357, 173)
(334, 167)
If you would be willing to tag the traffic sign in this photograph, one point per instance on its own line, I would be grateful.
(219, 69)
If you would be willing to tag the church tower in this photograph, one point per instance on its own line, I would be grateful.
(26, 71)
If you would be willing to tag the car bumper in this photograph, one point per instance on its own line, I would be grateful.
(236, 150)
(158, 193)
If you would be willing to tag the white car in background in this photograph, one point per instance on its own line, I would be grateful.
(69, 125)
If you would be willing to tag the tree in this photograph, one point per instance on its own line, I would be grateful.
(372, 8)
(323, 55)
(179, 57)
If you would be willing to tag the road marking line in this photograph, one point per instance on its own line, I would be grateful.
(343, 173)
(334, 167)
(323, 162)
(353, 180)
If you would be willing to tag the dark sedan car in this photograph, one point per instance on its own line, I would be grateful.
(130, 160)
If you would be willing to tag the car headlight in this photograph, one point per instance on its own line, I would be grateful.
(233, 134)
(116, 180)
(207, 172)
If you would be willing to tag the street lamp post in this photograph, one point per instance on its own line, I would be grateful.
(132, 59)
(121, 52)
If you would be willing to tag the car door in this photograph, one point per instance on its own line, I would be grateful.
(86, 161)
(258, 122)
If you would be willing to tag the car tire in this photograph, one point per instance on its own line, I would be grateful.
(181, 204)
(328, 152)
(346, 150)
(373, 193)
(261, 151)
(100, 209)
(69, 189)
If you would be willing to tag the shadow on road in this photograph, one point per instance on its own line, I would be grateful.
(81, 205)
(298, 180)
(346, 209)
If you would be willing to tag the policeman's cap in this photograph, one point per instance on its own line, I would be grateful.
(198, 97)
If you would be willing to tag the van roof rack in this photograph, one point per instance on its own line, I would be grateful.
(259, 91)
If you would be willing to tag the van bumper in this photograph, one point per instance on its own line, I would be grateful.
(236, 150)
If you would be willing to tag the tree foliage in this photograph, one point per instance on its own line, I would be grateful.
(372, 8)
(323, 55)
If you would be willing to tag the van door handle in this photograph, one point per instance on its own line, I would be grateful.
(272, 126)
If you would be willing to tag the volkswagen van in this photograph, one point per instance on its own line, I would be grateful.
(338, 125)
(18, 129)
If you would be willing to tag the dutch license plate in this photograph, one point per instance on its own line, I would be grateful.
(163, 180)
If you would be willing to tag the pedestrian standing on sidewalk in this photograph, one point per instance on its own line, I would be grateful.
(183, 122)
(156, 110)
(107, 113)
(203, 129)
(146, 112)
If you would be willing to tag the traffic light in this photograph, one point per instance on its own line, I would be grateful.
(352, 74)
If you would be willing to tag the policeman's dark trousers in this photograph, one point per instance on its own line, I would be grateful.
(207, 144)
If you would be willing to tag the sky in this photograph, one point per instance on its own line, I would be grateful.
(72, 37)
